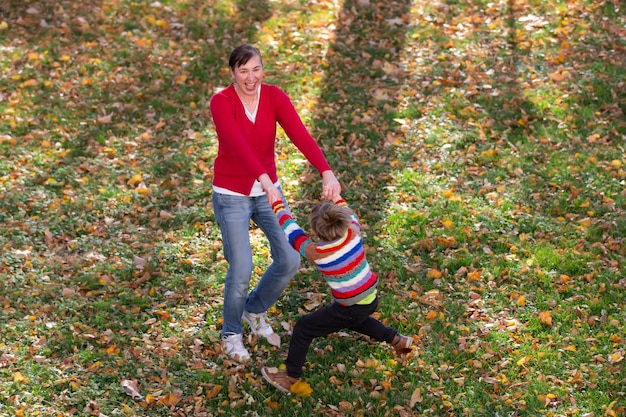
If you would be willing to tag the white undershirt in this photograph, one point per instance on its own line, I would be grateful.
(252, 115)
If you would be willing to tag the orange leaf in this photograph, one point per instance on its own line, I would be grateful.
(214, 391)
(170, 399)
(434, 273)
(545, 317)
(557, 76)
(473, 276)
(432, 315)
(30, 83)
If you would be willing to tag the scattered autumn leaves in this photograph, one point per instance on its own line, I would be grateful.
(103, 159)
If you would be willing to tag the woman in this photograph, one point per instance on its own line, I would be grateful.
(245, 183)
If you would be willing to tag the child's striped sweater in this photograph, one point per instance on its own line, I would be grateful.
(341, 262)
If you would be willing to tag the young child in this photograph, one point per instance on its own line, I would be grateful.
(340, 257)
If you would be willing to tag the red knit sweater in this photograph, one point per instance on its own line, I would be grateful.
(246, 149)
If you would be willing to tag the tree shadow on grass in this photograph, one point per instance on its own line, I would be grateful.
(356, 107)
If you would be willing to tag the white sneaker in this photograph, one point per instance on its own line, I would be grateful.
(259, 326)
(234, 347)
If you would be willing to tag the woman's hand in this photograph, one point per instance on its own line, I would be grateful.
(272, 193)
(331, 189)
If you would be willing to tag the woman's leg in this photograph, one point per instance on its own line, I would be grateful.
(285, 259)
(232, 214)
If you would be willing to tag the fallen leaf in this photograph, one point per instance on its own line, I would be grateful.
(434, 273)
(431, 315)
(301, 389)
(131, 388)
(416, 397)
(545, 317)
(19, 378)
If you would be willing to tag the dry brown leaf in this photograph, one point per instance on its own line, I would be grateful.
(416, 397)
(130, 388)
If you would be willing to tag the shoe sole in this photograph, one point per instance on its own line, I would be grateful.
(265, 373)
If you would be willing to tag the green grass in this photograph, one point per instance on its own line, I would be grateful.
(481, 143)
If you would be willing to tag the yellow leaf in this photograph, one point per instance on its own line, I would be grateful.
(521, 301)
(524, 360)
(448, 193)
(448, 224)
(136, 179)
(301, 389)
(18, 378)
(571, 348)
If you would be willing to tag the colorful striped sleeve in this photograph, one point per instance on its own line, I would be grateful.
(297, 237)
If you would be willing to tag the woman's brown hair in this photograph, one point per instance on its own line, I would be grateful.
(242, 54)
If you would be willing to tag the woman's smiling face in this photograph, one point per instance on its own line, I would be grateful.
(248, 77)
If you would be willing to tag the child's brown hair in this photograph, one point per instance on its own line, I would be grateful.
(329, 221)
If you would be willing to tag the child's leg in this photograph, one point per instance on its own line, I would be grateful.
(376, 330)
(365, 324)
(326, 320)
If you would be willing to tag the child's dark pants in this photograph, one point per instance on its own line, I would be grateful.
(330, 319)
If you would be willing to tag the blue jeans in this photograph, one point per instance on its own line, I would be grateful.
(233, 215)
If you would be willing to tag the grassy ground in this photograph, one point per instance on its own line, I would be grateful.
(481, 143)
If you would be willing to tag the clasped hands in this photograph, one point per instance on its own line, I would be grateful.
(331, 188)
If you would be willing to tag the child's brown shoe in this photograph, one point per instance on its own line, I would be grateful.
(279, 379)
(402, 344)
